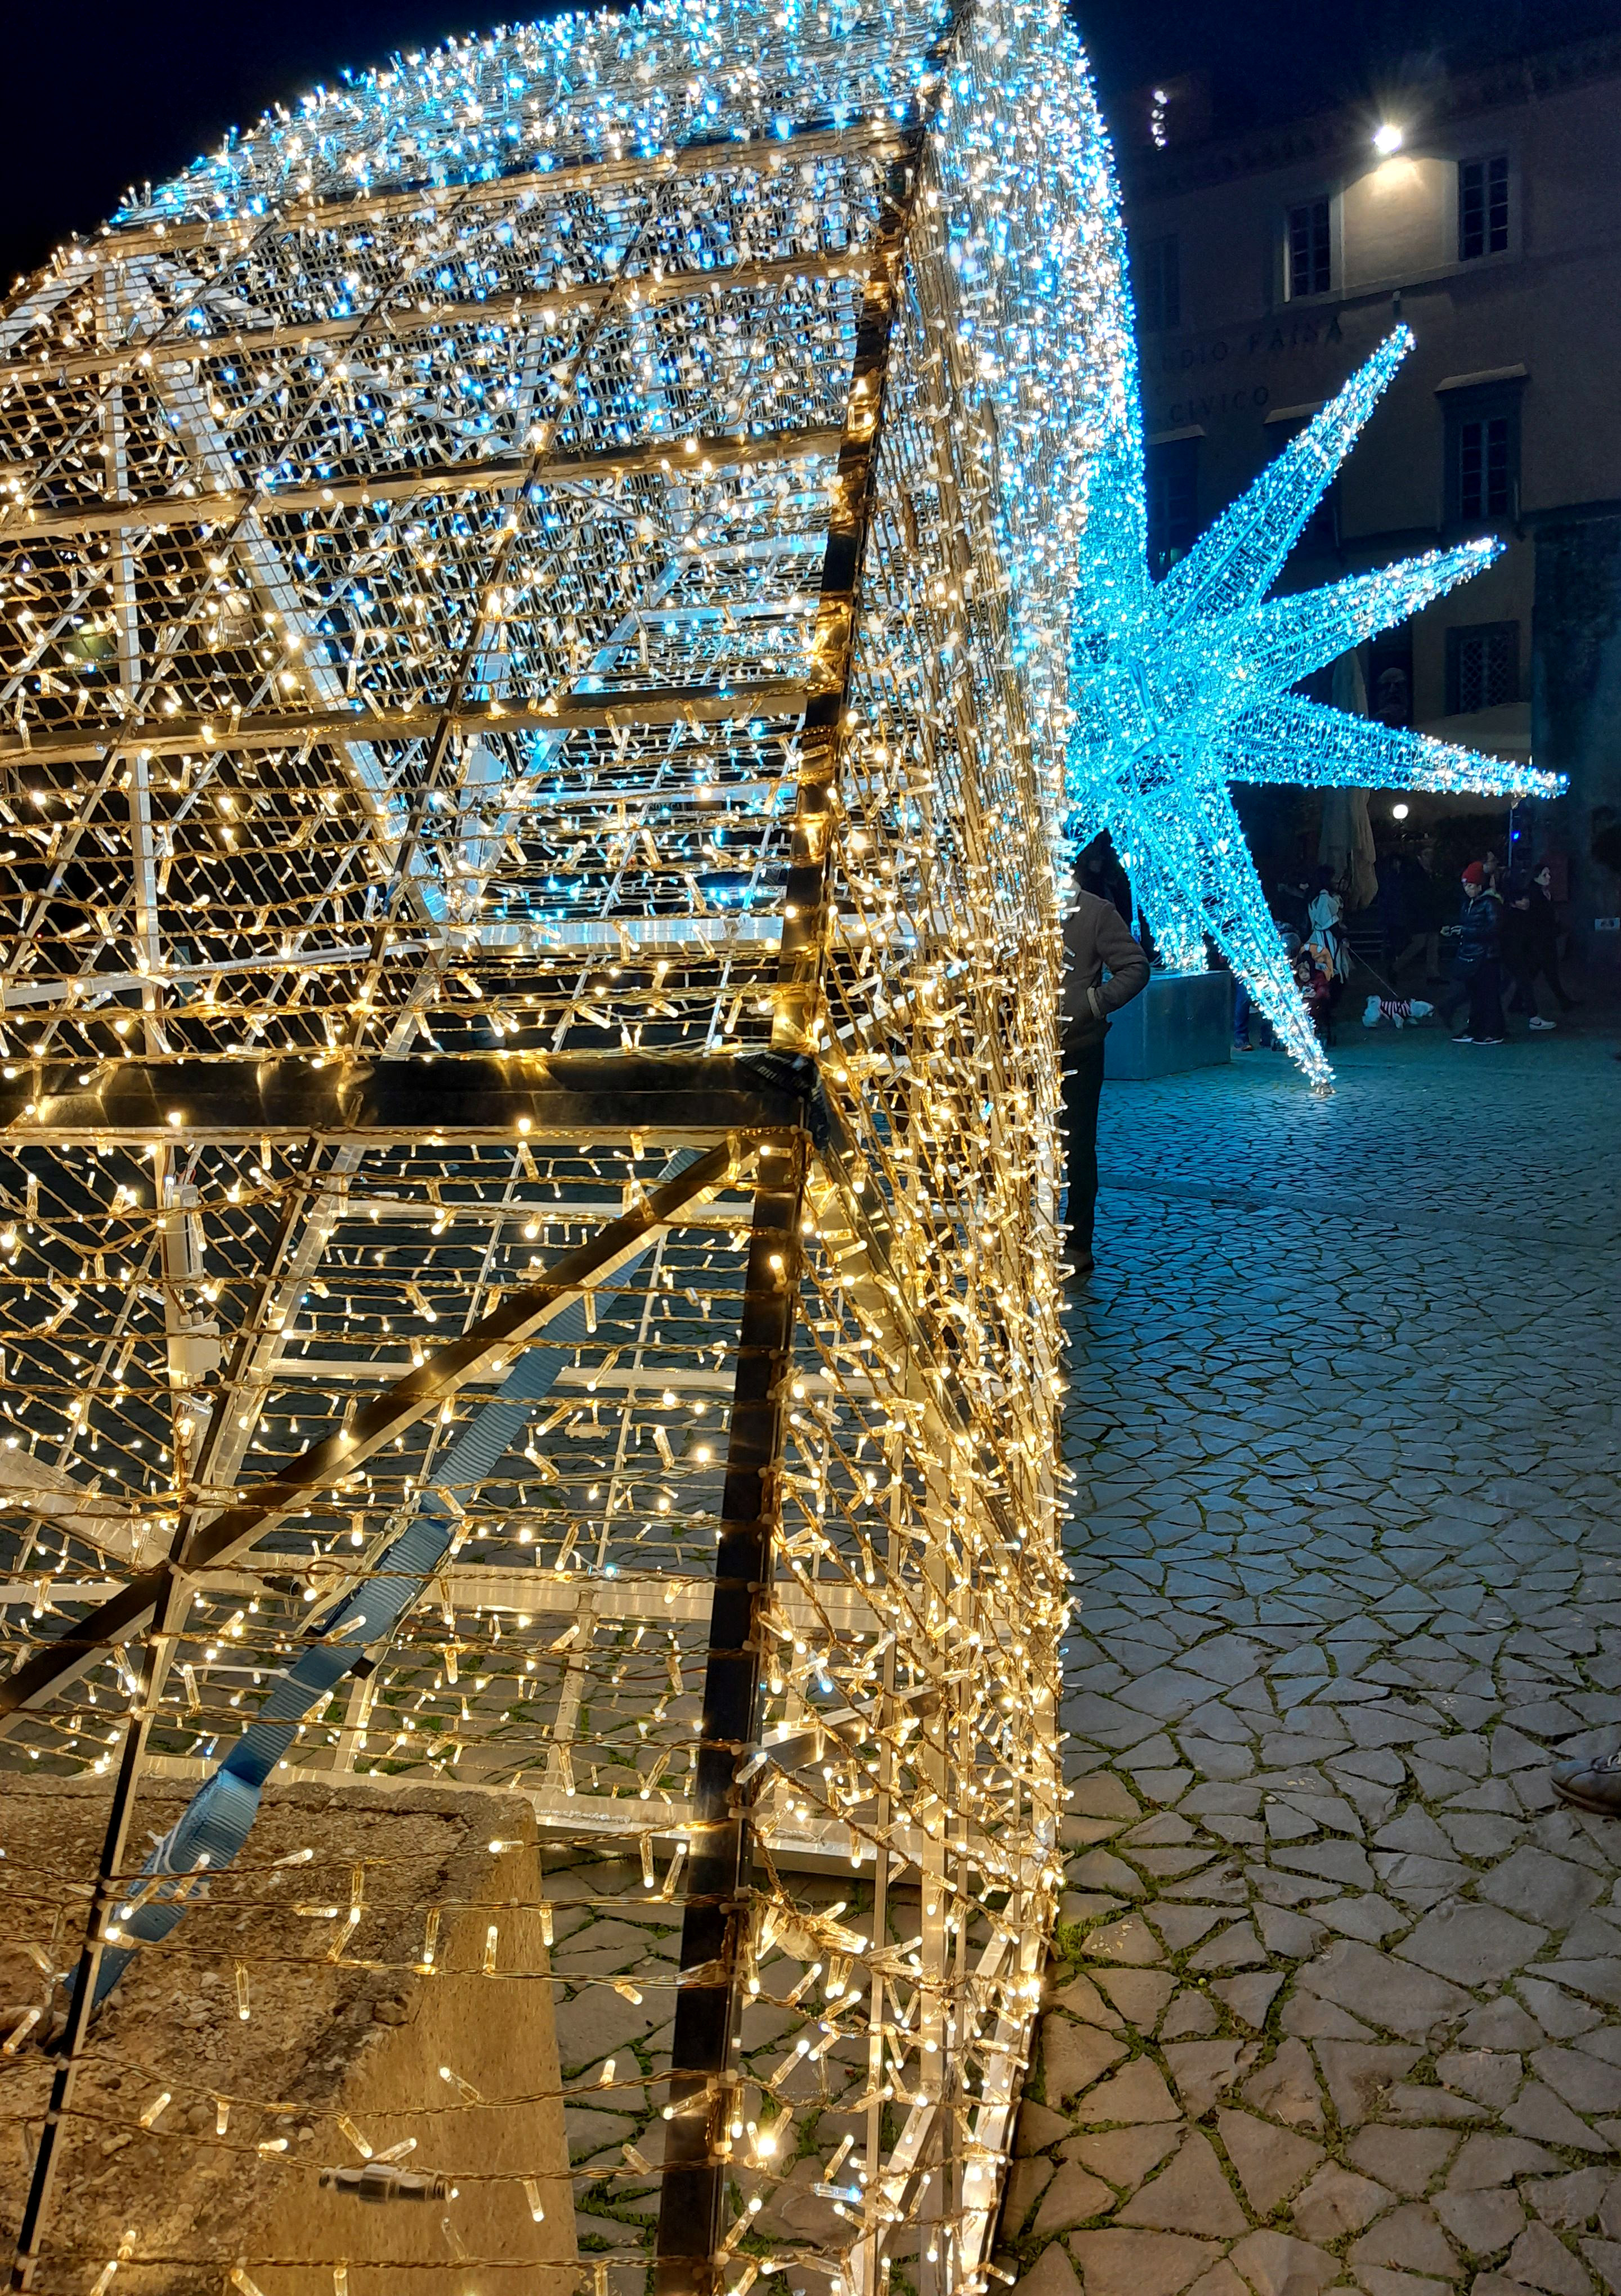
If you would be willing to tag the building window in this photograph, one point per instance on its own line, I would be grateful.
(1482, 667)
(1156, 279)
(1483, 428)
(1311, 249)
(1173, 500)
(1483, 469)
(1483, 208)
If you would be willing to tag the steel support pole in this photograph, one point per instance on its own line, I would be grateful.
(173, 1605)
(690, 2254)
(715, 1920)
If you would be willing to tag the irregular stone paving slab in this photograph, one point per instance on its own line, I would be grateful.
(1334, 2007)
(1191, 2195)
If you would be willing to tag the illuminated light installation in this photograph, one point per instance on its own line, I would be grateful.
(219, 1820)
(539, 589)
(1181, 687)
(537, 593)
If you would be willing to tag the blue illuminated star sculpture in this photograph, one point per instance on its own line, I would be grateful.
(1181, 686)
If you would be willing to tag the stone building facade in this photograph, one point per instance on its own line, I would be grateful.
(1485, 210)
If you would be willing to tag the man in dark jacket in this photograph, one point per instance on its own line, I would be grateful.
(1096, 939)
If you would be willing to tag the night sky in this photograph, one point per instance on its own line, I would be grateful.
(95, 95)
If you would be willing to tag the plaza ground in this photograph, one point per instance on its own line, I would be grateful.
(1339, 1999)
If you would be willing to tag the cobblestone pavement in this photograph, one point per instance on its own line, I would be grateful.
(616, 1947)
(1336, 2006)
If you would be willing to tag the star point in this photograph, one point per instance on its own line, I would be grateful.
(1181, 686)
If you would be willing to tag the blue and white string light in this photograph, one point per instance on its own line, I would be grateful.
(1182, 686)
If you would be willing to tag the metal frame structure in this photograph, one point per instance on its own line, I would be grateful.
(521, 664)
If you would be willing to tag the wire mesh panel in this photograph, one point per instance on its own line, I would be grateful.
(531, 735)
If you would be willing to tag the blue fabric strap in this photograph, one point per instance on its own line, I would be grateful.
(210, 1832)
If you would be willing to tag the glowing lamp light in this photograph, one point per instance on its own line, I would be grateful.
(1387, 137)
(1398, 813)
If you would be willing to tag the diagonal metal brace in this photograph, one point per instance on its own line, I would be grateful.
(332, 1461)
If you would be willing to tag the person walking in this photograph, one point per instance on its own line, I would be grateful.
(1519, 957)
(1097, 940)
(1328, 945)
(1392, 905)
(1478, 962)
(1542, 938)
(1428, 904)
(1325, 922)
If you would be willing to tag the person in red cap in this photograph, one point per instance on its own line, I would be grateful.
(1478, 962)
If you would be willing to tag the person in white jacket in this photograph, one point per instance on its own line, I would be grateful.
(1326, 916)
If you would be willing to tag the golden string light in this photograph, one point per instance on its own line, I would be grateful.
(536, 587)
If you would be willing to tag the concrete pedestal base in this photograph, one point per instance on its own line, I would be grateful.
(1182, 1021)
(343, 2027)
